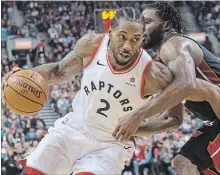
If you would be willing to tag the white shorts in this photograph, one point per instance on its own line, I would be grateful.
(65, 150)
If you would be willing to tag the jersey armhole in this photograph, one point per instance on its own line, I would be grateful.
(94, 53)
(143, 81)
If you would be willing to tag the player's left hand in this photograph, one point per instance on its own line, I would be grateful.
(126, 127)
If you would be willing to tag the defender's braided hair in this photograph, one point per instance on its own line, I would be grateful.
(128, 13)
(167, 12)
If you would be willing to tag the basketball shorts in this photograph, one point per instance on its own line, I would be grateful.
(203, 148)
(65, 150)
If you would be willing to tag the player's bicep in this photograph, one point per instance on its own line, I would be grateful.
(73, 62)
(163, 74)
(183, 67)
(177, 56)
(159, 76)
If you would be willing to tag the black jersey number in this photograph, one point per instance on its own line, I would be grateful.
(101, 110)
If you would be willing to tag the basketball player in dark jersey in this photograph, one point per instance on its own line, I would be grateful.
(188, 60)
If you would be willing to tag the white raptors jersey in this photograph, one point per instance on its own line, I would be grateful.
(107, 94)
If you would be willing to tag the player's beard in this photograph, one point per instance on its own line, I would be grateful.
(154, 39)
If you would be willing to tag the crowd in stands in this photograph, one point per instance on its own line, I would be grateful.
(19, 135)
(7, 28)
(207, 14)
(65, 23)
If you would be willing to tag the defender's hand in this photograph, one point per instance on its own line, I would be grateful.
(126, 127)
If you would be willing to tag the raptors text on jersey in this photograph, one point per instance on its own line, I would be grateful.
(107, 94)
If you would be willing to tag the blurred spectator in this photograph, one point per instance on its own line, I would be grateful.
(208, 45)
(207, 15)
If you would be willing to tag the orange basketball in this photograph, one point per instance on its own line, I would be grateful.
(26, 92)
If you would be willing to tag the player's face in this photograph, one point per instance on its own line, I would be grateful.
(154, 28)
(126, 39)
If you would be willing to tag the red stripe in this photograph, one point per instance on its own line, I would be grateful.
(197, 133)
(22, 162)
(84, 173)
(32, 171)
(94, 53)
(29, 170)
(127, 69)
(213, 148)
(143, 81)
(207, 71)
(208, 172)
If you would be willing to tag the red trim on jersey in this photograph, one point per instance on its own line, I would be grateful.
(84, 173)
(197, 133)
(208, 172)
(208, 72)
(214, 151)
(32, 171)
(143, 82)
(29, 170)
(127, 69)
(22, 162)
(94, 53)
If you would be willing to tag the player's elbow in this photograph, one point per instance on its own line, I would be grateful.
(188, 87)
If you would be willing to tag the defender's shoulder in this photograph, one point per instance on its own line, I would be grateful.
(178, 45)
(181, 42)
(175, 44)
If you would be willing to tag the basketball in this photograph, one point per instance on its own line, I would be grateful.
(26, 92)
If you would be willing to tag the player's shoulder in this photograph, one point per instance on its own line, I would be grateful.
(91, 38)
(178, 45)
(87, 44)
(176, 42)
(181, 43)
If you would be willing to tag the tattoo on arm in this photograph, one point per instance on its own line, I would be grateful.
(86, 43)
(71, 65)
(55, 71)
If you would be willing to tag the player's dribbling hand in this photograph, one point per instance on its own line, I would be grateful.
(6, 77)
(126, 128)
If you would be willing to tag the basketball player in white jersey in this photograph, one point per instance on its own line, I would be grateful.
(117, 78)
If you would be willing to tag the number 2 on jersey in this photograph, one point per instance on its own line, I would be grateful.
(101, 110)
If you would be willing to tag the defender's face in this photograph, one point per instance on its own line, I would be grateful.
(126, 39)
(154, 28)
